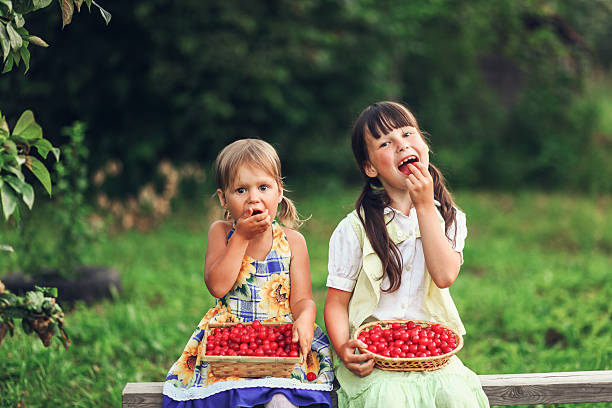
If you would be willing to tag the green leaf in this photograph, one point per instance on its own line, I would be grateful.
(8, 298)
(16, 57)
(3, 125)
(19, 20)
(7, 3)
(23, 6)
(23, 188)
(67, 8)
(14, 37)
(48, 292)
(10, 147)
(25, 56)
(16, 171)
(5, 42)
(9, 200)
(44, 147)
(34, 300)
(29, 134)
(9, 64)
(24, 33)
(25, 120)
(56, 153)
(40, 171)
(27, 6)
(41, 3)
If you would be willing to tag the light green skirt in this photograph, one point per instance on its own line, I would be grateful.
(453, 386)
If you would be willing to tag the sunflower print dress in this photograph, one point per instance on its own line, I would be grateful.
(261, 292)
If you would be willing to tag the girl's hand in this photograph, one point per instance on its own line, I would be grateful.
(420, 185)
(303, 332)
(248, 226)
(359, 364)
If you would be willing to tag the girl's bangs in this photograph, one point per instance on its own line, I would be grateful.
(386, 118)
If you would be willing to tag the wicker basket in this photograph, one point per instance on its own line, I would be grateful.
(248, 366)
(410, 364)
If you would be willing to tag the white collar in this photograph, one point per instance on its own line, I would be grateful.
(390, 209)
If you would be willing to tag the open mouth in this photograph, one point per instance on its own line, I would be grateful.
(404, 166)
(255, 212)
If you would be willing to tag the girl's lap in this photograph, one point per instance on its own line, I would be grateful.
(453, 386)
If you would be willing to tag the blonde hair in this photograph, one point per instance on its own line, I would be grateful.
(257, 153)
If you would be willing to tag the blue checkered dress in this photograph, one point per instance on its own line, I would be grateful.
(261, 292)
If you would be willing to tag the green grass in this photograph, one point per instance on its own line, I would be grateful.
(533, 294)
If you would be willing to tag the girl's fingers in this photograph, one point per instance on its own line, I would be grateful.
(419, 170)
(360, 358)
(295, 337)
(362, 369)
(305, 350)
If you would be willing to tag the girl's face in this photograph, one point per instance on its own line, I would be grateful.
(390, 155)
(252, 189)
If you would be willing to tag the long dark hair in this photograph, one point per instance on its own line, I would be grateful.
(378, 120)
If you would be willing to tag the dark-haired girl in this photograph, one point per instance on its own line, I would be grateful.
(394, 257)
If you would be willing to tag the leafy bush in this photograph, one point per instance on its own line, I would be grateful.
(39, 313)
(298, 74)
(71, 210)
(15, 154)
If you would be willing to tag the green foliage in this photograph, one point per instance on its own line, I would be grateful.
(38, 311)
(499, 86)
(15, 153)
(15, 38)
(38, 254)
(71, 210)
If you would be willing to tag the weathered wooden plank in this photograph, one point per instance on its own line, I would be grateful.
(142, 395)
(502, 389)
(548, 388)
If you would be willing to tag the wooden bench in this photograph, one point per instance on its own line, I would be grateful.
(502, 389)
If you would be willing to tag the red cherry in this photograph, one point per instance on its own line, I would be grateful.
(310, 376)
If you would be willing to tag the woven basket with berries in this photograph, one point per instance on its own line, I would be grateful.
(409, 345)
(254, 349)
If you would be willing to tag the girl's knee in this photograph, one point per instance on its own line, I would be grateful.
(279, 401)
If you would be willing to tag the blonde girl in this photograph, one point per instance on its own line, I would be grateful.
(257, 270)
(394, 257)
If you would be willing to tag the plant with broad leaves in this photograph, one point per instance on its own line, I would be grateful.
(15, 153)
(15, 38)
(39, 313)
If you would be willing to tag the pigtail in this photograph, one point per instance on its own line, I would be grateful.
(370, 208)
(288, 215)
(441, 193)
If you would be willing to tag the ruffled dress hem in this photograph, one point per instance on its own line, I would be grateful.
(251, 397)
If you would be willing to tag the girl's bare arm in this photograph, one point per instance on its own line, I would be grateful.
(302, 305)
(222, 262)
(443, 262)
(336, 322)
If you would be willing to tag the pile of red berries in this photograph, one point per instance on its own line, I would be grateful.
(252, 339)
(409, 340)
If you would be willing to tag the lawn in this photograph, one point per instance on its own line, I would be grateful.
(533, 294)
